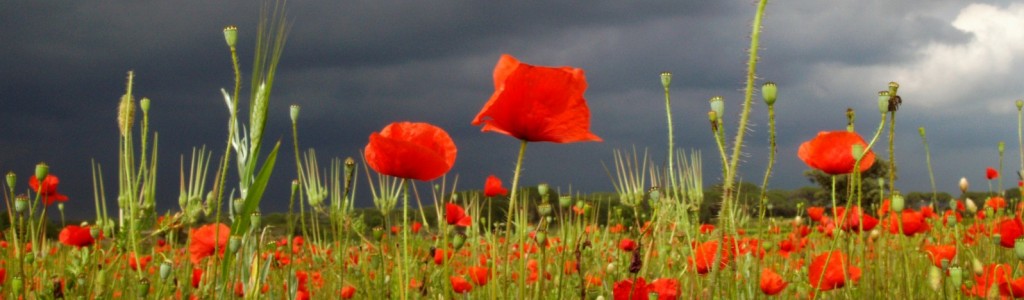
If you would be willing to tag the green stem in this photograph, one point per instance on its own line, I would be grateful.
(671, 146)
(928, 160)
(892, 153)
(771, 159)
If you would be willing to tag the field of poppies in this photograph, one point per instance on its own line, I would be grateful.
(507, 241)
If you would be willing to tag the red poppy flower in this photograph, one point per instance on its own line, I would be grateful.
(831, 270)
(204, 240)
(816, 213)
(771, 282)
(706, 228)
(479, 275)
(627, 244)
(666, 288)
(991, 173)
(416, 226)
(48, 192)
(136, 263)
(854, 219)
(1013, 288)
(537, 104)
(348, 291)
(1009, 230)
(626, 289)
(197, 276)
(912, 223)
(940, 253)
(460, 285)
(992, 274)
(74, 235)
(831, 152)
(456, 215)
(996, 202)
(409, 150)
(703, 258)
(493, 187)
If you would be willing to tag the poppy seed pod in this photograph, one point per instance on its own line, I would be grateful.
(769, 91)
(666, 79)
(956, 275)
(20, 203)
(1001, 147)
(144, 105)
(41, 171)
(231, 35)
(234, 243)
(893, 87)
(542, 189)
(544, 209)
(564, 201)
(165, 270)
(1018, 248)
(883, 101)
(897, 203)
(920, 131)
(293, 112)
(1020, 104)
(718, 105)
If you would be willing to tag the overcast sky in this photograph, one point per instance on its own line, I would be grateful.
(356, 66)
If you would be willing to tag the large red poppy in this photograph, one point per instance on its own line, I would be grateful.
(627, 289)
(204, 240)
(492, 187)
(537, 104)
(703, 258)
(832, 152)
(48, 191)
(74, 235)
(410, 150)
(913, 222)
(831, 270)
(1009, 230)
(460, 285)
(940, 253)
(456, 215)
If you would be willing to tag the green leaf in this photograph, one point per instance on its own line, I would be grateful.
(252, 200)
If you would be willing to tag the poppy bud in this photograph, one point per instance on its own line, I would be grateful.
(41, 171)
(896, 203)
(544, 209)
(718, 105)
(956, 275)
(977, 267)
(935, 277)
(238, 205)
(542, 189)
(231, 35)
(95, 232)
(883, 101)
(1018, 248)
(11, 180)
(920, 131)
(666, 79)
(165, 270)
(564, 201)
(294, 112)
(144, 105)
(17, 283)
(769, 92)
(254, 220)
(610, 268)
(458, 241)
(1020, 104)
(234, 243)
(893, 87)
(963, 185)
(1001, 147)
(541, 237)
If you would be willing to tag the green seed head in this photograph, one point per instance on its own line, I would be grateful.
(893, 86)
(1001, 146)
(294, 110)
(883, 101)
(231, 35)
(718, 105)
(666, 79)
(255, 220)
(897, 203)
(542, 189)
(769, 92)
(1020, 104)
(41, 171)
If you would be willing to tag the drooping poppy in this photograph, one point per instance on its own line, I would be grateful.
(460, 285)
(832, 270)
(48, 191)
(74, 235)
(410, 150)
(456, 215)
(203, 241)
(991, 173)
(492, 187)
(537, 104)
(941, 253)
(627, 289)
(771, 282)
(831, 152)
(197, 277)
(1009, 230)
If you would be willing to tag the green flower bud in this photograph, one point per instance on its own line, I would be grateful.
(883, 101)
(41, 171)
(920, 130)
(542, 189)
(294, 111)
(769, 92)
(666, 79)
(231, 35)
(1001, 146)
(1018, 248)
(144, 105)
(95, 232)
(718, 105)
(234, 243)
(1020, 104)
(12, 179)
(458, 241)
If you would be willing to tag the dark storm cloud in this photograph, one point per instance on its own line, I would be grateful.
(356, 66)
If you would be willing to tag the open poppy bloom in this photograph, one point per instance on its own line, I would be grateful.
(479, 275)
(48, 190)
(832, 152)
(816, 213)
(627, 289)
(1009, 230)
(627, 245)
(832, 270)
(460, 285)
(771, 282)
(74, 235)
(992, 274)
(991, 173)
(410, 150)
(492, 187)
(348, 291)
(940, 253)
(703, 258)
(855, 220)
(456, 215)
(996, 202)
(537, 104)
(206, 239)
(910, 222)
(666, 288)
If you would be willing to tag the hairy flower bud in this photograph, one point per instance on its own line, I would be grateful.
(125, 114)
